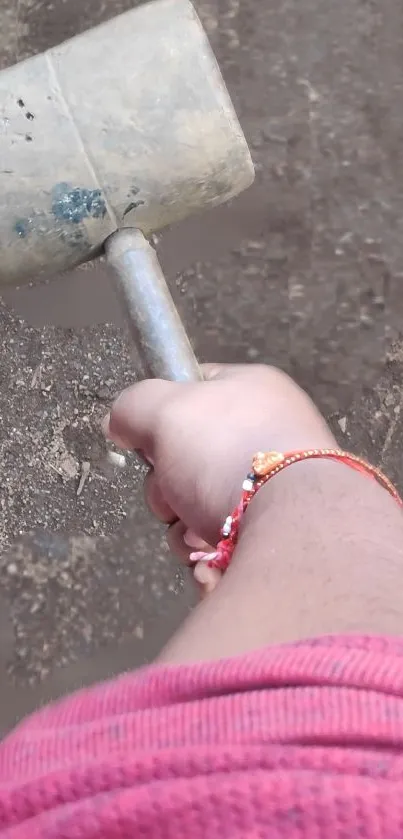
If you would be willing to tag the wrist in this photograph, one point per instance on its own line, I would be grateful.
(325, 544)
(317, 485)
(314, 435)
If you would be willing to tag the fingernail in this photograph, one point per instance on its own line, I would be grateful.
(192, 540)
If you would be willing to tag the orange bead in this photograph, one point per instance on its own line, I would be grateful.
(265, 462)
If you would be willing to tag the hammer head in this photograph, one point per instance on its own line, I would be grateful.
(129, 124)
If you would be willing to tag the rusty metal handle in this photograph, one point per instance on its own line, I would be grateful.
(154, 322)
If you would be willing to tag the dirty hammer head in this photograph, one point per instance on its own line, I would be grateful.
(129, 124)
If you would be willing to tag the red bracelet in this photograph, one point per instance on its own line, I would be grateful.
(266, 465)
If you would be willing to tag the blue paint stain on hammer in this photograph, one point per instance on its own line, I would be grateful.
(74, 204)
(69, 204)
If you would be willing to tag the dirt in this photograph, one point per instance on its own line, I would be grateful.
(373, 426)
(304, 271)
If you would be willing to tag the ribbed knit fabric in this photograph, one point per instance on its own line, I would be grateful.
(299, 741)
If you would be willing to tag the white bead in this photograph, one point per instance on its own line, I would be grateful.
(247, 485)
(227, 526)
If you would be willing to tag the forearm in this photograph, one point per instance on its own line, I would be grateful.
(321, 551)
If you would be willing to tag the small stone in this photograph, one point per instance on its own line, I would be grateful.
(67, 467)
(12, 569)
(116, 459)
(366, 320)
(343, 424)
(251, 270)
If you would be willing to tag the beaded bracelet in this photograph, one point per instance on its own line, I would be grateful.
(266, 465)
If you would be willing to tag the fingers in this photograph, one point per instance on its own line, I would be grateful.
(183, 542)
(178, 538)
(176, 543)
(134, 416)
(193, 541)
(156, 501)
(207, 578)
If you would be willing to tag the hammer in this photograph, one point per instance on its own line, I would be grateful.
(103, 141)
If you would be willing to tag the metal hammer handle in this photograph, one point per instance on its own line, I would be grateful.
(155, 325)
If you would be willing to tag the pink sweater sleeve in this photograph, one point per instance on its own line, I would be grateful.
(298, 741)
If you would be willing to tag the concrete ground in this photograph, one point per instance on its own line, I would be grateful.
(305, 271)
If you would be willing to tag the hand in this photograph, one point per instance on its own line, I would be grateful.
(200, 439)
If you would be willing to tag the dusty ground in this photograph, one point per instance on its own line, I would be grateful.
(304, 270)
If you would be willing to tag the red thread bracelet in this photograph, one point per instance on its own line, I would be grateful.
(266, 465)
